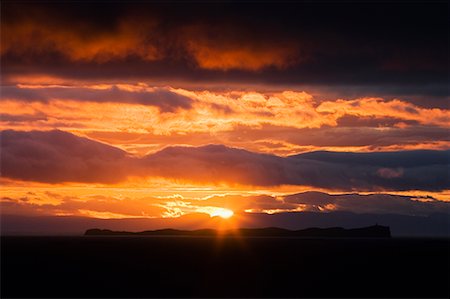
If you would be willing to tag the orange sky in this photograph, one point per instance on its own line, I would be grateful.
(152, 113)
(278, 123)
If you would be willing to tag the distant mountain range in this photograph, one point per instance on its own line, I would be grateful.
(375, 231)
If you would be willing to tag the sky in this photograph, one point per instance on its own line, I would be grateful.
(222, 109)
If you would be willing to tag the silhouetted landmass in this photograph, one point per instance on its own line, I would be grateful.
(433, 225)
(375, 231)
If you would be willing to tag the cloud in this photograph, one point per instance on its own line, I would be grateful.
(21, 118)
(57, 156)
(390, 172)
(41, 35)
(311, 201)
(96, 206)
(273, 116)
(231, 51)
(216, 164)
(330, 170)
(371, 203)
(377, 107)
(288, 140)
(221, 43)
(163, 98)
(144, 38)
(44, 203)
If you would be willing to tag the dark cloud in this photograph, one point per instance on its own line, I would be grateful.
(56, 156)
(407, 159)
(11, 118)
(351, 131)
(163, 98)
(421, 169)
(217, 164)
(376, 48)
(371, 203)
(371, 121)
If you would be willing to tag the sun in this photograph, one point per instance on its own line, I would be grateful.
(223, 213)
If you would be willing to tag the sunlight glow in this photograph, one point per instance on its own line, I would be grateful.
(224, 213)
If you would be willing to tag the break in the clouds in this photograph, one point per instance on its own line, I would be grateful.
(56, 156)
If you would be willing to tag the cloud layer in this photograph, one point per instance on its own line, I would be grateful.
(56, 156)
(40, 202)
(294, 44)
(140, 37)
(140, 118)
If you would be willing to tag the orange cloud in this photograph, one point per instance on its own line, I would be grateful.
(381, 108)
(79, 42)
(140, 118)
(145, 39)
(227, 50)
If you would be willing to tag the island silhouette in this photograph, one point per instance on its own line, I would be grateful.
(375, 231)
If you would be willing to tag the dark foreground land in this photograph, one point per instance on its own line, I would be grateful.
(223, 267)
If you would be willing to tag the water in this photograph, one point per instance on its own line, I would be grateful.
(227, 267)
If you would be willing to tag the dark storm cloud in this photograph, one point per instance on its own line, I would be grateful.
(164, 99)
(56, 156)
(393, 49)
